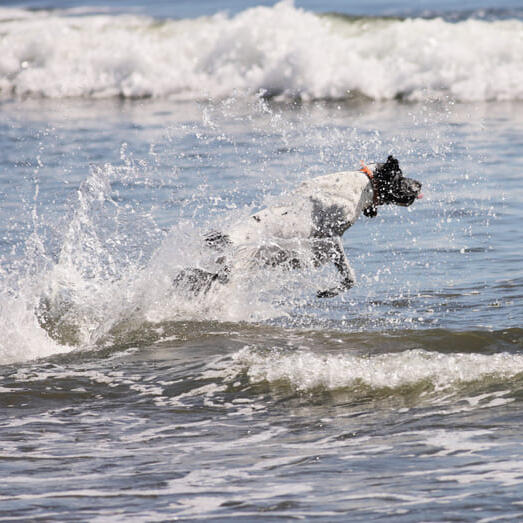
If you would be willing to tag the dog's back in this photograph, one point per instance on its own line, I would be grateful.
(338, 197)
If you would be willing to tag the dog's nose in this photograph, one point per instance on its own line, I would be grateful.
(416, 186)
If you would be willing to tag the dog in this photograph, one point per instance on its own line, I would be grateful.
(313, 221)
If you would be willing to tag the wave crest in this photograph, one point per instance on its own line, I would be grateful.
(274, 51)
(305, 371)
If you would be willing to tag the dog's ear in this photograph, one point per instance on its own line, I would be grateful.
(392, 164)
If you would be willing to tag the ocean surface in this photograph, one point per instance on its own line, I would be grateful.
(129, 129)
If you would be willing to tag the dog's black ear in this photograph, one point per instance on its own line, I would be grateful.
(392, 166)
(385, 171)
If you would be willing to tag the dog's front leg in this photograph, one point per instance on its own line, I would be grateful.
(337, 255)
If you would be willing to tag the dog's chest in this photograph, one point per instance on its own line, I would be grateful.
(337, 201)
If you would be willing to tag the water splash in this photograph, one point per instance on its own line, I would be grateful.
(95, 285)
(111, 267)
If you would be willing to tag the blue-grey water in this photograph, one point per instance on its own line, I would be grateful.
(128, 130)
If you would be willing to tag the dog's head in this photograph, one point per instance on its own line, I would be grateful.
(393, 187)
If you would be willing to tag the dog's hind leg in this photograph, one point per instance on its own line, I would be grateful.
(198, 281)
(336, 254)
(217, 240)
(195, 281)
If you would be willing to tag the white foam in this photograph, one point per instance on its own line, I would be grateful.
(281, 50)
(22, 338)
(78, 289)
(305, 370)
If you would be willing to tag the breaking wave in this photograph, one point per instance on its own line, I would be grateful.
(280, 51)
(307, 371)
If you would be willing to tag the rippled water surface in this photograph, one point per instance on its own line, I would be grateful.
(124, 399)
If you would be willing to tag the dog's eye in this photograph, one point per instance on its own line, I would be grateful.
(397, 178)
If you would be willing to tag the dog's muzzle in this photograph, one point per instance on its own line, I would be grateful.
(406, 191)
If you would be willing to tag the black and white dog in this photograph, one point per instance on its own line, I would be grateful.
(312, 222)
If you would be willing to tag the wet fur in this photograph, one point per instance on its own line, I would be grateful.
(321, 210)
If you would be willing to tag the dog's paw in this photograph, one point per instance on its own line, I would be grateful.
(327, 293)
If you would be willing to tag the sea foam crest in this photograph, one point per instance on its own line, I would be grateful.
(281, 50)
(305, 371)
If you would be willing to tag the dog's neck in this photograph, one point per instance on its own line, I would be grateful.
(372, 210)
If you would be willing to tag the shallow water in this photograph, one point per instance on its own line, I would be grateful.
(122, 399)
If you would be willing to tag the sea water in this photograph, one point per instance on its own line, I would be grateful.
(129, 130)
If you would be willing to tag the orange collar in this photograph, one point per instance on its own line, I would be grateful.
(370, 175)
